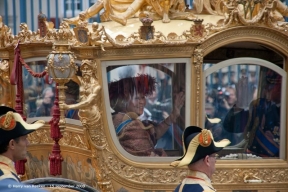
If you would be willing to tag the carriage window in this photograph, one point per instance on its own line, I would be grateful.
(147, 105)
(247, 99)
(39, 95)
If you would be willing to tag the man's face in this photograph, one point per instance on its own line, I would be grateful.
(48, 98)
(212, 161)
(20, 148)
(232, 96)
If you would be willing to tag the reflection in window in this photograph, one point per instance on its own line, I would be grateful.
(72, 97)
(147, 103)
(247, 99)
(39, 97)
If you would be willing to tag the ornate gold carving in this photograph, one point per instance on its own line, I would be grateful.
(40, 136)
(237, 176)
(253, 34)
(159, 38)
(97, 36)
(62, 35)
(81, 34)
(158, 10)
(198, 61)
(4, 54)
(143, 175)
(89, 113)
(6, 36)
(81, 31)
(70, 139)
(86, 53)
(264, 16)
(4, 83)
(196, 32)
(27, 36)
(179, 51)
(73, 139)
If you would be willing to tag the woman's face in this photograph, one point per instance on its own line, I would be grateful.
(136, 103)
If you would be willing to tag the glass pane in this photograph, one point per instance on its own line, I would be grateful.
(39, 97)
(148, 118)
(72, 97)
(247, 99)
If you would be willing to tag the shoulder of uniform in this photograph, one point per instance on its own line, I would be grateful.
(6, 174)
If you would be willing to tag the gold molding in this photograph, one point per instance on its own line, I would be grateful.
(4, 54)
(147, 52)
(70, 138)
(197, 62)
(266, 36)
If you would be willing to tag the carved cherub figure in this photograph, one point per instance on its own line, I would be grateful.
(82, 21)
(114, 10)
(24, 34)
(251, 9)
(6, 36)
(96, 36)
(4, 81)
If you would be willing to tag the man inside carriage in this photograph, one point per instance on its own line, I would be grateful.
(262, 130)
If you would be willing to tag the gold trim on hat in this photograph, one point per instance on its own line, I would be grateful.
(7, 121)
(28, 126)
(193, 145)
(205, 138)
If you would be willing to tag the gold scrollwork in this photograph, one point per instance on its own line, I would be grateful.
(198, 61)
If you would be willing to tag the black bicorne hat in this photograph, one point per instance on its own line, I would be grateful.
(197, 144)
(13, 126)
(141, 83)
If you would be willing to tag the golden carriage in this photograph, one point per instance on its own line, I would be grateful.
(231, 39)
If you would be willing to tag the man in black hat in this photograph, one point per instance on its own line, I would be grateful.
(200, 156)
(13, 141)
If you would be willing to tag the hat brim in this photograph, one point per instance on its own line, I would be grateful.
(223, 143)
(196, 152)
(20, 128)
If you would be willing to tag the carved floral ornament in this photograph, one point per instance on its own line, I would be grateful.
(197, 33)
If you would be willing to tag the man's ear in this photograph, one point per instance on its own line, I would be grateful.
(11, 144)
(206, 160)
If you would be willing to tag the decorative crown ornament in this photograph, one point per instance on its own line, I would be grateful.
(198, 21)
(146, 21)
(63, 34)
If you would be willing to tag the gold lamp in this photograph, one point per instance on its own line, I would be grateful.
(61, 65)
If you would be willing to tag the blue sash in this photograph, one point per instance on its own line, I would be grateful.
(264, 141)
(122, 125)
